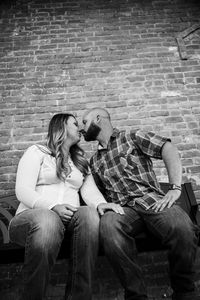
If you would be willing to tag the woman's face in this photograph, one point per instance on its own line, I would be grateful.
(72, 129)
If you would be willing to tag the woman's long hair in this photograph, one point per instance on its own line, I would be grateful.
(55, 139)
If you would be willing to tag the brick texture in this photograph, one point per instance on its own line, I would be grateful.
(122, 55)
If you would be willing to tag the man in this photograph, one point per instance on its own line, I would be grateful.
(124, 167)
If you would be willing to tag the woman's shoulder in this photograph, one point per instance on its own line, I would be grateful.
(37, 149)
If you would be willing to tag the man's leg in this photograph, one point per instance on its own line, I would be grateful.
(117, 236)
(41, 232)
(176, 231)
(84, 233)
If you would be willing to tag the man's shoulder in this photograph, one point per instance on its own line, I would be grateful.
(120, 133)
(142, 134)
(124, 136)
(130, 134)
(136, 136)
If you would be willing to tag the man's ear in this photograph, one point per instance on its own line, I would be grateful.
(98, 118)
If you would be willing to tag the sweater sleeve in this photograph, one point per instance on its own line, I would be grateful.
(90, 193)
(26, 179)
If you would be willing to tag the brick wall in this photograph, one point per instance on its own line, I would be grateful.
(138, 59)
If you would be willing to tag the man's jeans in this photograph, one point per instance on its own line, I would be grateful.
(174, 229)
(42, 232)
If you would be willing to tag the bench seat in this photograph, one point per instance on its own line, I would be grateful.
(10, 252)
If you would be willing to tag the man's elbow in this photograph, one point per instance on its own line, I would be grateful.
(169, 149)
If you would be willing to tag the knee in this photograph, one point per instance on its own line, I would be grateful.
(49, 230)
(110, 228)
(183, 228)
(88, 217)
(109, 223)
(184, 233)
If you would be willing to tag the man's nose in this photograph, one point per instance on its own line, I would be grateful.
(82, 131)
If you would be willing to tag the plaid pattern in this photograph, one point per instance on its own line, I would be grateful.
(125, 167)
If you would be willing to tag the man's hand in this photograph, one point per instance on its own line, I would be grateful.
(65, 211)
(167, 201)
(103, 207)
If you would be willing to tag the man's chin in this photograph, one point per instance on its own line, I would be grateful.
(91, 134)
(89, 139)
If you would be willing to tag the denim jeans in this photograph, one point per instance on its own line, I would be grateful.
(174, 229)
(41, 231)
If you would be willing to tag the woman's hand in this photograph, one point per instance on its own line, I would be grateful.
(65, 211)
(103, 207)
(167, 201)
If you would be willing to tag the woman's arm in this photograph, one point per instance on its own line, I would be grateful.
(26, 179)
(90, 192)
(93, 197)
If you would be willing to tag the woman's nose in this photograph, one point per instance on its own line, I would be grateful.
(80, 127)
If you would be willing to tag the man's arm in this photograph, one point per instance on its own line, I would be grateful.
(173, 165)
(172, 162)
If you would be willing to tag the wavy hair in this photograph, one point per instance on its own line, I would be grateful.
(55, 139)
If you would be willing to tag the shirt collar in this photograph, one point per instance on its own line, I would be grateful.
(114, 134)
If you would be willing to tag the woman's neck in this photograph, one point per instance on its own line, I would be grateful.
(66, 150)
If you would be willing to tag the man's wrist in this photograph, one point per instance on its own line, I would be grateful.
(174, 186)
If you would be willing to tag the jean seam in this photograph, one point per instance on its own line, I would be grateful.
(74, 259)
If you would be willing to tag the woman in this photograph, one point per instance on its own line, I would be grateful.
(47, 185)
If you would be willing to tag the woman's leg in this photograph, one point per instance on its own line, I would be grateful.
(84, 232)
(41, 232)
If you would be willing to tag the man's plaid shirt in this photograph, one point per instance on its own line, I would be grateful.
(125, 168)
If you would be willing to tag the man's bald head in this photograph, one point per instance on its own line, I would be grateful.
(97, 111)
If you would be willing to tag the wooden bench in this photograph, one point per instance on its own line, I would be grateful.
(10, 252)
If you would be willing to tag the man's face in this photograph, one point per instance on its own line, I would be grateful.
(90, 129)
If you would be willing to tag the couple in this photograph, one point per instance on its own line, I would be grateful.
(49, 179)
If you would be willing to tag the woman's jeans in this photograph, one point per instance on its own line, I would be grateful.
(174, 229)
(41, 231)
